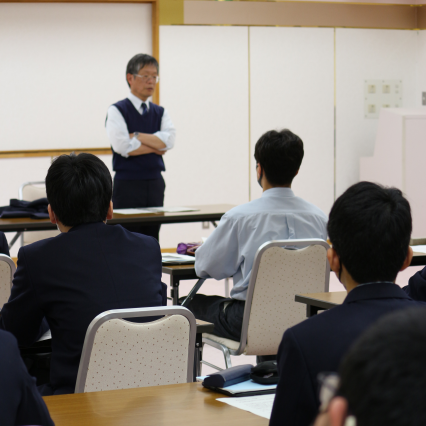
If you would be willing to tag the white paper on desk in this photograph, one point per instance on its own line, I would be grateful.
(171, 209)
(419, 249)
(261, 405)
(150, 210)
(248, 386)
(132, 211)
(175, 257)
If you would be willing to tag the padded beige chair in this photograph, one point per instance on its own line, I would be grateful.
(278, 274)
(31, 191)
(119, 354)
(7, 270)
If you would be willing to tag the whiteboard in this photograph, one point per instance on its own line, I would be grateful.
(61, 66)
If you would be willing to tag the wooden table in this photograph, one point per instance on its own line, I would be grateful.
(316, 301)
(178, 273)
(208, 213)
(187, 404)
(419, 259)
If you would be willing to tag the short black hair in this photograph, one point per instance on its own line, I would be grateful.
(79, 189)
(383, 376)
(139, 61)
(280, 154)
(370, 228)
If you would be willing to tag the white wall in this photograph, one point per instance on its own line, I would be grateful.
(204, 86)
(421, 65)
(61, 66)
(367, 55)
(292, 86)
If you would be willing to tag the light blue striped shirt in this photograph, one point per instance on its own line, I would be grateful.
(277, 215)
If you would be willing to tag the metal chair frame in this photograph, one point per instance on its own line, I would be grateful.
(133, 313)
(291, 244)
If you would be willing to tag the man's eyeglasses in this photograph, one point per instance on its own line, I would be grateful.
(146, 78)
(329, 384)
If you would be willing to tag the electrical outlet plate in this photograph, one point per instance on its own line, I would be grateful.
(205, 225)
(424, 98)
(380, 94)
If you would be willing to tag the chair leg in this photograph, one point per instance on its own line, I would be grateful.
(227, 355)
(226, 287)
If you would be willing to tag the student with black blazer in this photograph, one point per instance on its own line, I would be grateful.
(369, 227)
(20, 401)
(4, 247)
(88, 269)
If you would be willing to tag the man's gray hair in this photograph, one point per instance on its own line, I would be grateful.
(139, 61)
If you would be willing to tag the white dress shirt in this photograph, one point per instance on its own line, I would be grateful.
(277, 215)
(119, 135)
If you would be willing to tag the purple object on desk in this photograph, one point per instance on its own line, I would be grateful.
(183, 248)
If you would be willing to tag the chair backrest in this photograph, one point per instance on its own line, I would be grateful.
(7, 270)
(119, 354)
(278, 274)
(31, 191)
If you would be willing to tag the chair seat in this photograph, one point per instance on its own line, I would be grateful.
(231, 344)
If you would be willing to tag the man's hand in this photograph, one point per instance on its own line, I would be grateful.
(143, 150)
(150, 143)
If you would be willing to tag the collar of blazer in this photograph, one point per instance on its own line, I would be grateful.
(376, 290)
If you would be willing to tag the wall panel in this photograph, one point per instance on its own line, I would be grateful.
(367, 55)
(204, 86)
(291, 72)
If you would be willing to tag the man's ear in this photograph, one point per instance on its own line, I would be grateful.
(130, 78)
(258, 171)
(110, 211)
(338, 411)
(52, 216)
(333, 260)
(408, 259)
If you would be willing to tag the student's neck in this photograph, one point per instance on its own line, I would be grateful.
(266, 185)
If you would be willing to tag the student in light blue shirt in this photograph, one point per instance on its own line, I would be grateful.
(277, 215)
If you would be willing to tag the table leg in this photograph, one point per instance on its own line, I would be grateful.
(174, 289)
(198, 355)
(17, 235)
(311, 310)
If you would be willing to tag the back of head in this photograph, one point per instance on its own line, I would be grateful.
(383, 376)
(280, 154)
(370, 228)
(79, 189)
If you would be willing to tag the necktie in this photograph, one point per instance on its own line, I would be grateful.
(144, 108)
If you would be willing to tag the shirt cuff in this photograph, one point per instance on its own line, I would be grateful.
(135, 143)
(164, 137)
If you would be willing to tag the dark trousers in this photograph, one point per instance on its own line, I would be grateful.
(228, 322)
(139, 193)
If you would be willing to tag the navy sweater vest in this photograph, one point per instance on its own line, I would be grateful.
(148, 166)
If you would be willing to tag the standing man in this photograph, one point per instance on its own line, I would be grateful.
(140, 132)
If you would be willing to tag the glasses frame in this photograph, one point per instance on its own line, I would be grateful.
(146, 78)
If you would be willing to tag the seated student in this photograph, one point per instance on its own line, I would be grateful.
(369, 227)
(4, 247)
(277, 215)
(21, 403)
(416, 287)
(87, 269)
(382, 378)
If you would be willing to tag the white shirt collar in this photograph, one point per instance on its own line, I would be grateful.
(278, 192)
(137, 103)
